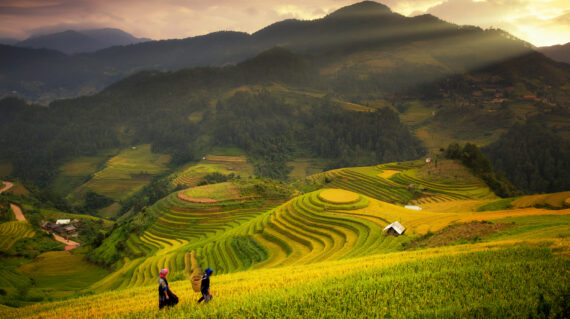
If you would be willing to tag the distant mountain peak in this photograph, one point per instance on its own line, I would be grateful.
(79, 41)
(361, 9)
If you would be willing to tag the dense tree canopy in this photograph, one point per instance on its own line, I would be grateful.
(533, 157)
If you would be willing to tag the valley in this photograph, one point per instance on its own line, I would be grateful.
(249, 236)
(361, 164)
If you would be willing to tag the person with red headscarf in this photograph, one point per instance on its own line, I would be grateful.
(165, 296)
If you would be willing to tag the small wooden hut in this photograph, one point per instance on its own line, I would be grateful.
(394, 229)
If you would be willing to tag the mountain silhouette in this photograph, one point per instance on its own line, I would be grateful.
(423, 45)
(71, 42)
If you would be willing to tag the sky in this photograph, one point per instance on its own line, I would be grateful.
(540, 22)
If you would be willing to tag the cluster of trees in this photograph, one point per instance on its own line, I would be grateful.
(533, 157)
(216, 177)
(272, 132)
(149, 107)
(472, 157)
(153, 107)
(106, 251)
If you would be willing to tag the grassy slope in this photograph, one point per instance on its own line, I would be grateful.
(123, 174)
(77, 171)
(60, 273)
(460, 281)
(304, 230)
(339, 250)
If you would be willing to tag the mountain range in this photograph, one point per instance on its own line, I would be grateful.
(437, 82)
(424, 45)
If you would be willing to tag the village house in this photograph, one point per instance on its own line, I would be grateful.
(66, 227)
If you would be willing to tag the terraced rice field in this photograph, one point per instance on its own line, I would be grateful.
(125, 173)
(221, 228)
(210, 193)
(443, 192)
(11, 232)
(372, 186)
(214, 164)
(184, 228)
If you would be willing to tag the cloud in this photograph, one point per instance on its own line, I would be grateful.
(42, 8)
(164, 19)
(542, 22)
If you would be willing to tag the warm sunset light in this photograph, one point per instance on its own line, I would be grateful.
(284, 159)
(541, 23)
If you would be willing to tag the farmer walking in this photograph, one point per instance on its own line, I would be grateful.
(165, 296)
(205, 287)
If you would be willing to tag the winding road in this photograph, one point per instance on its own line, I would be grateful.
(7, 186)
(16, 209)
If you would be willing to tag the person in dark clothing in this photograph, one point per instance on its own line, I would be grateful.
(205, 288)
(165, 296)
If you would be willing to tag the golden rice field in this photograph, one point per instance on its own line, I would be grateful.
(325, 225)
(230, 233)
(479, 280)
(556, 200)
(324, 253)
(338, 196)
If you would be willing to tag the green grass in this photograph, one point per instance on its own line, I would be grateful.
(535, 227)
(304, 167)
(77, 171)
(223, 164)
(11, 232)
(497, 205)
(124, 174)
(110, 211)
(62, 271)
(227, 151)
(219, 192)
(416, 113)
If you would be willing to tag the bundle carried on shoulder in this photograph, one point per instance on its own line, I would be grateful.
(196, 283)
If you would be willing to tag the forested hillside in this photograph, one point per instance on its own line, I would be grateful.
(533, 157)
(415, 49)
(153, 107)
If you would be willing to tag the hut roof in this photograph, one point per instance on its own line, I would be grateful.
(69, 228)
(397, 227)
(63, 221)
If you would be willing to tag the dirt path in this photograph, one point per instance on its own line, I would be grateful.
(7, 186)
(18, 213)
(17, 210)
(63, 241)
(20, 217)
